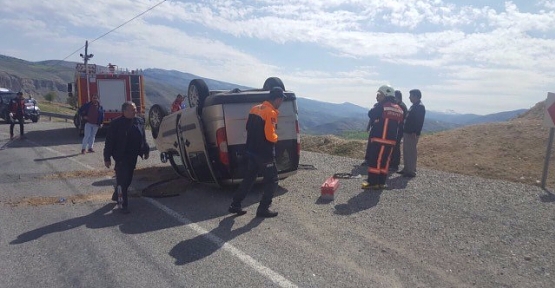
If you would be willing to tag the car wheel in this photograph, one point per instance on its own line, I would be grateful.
(273, 82)
(197, 93)
(155, 116)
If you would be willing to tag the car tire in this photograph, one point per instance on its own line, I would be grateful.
(197, 93)
(35, 119)
(155, 115)
(273, 82)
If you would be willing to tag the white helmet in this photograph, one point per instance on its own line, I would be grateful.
(387, 90)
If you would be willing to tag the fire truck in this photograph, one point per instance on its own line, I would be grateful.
(113, 86)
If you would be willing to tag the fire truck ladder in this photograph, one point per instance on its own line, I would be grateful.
(136, 92)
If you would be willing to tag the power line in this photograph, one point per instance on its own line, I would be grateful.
(139, 15)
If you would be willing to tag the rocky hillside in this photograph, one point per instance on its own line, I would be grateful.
(36, 78)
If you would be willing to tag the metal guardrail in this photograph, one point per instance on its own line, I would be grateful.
(55, 115)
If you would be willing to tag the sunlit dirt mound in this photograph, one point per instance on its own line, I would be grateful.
(535, 113)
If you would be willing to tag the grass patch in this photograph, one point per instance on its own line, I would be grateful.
(55, 107)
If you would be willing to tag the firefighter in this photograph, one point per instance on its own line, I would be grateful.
(17, 112)
(385, 117)
(260, 152)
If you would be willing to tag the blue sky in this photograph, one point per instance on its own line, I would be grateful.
(467, 56)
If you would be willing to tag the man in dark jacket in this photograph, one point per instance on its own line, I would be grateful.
(385, 118)
(414, 121)
(17, 112)
(260, 152)
(396, 155)
(93, 113)
(125, 141)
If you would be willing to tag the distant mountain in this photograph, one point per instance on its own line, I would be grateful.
(320, 118)
(315, 117)
(163, 85)
(469, 119)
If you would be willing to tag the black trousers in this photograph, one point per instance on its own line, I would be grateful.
(124, 176)
(270, 174)
(396, 154)
(21, 122)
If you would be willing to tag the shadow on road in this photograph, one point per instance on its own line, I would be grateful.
(205, 245)
(363, 201)
(97, 219)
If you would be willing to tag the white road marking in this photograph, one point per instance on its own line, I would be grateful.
(273, 276)
(62, 154)
(265, 271)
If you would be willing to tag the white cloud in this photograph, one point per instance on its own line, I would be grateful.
(449, 49)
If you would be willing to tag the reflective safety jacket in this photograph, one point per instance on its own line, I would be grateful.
(261, 131)
(385, 117)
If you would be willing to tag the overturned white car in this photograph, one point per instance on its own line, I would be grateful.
(205, 142)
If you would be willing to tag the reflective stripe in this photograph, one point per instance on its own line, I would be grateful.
(383, 141)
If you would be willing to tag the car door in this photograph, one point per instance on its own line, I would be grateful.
(192, 145)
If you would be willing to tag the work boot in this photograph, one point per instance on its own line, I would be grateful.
(266, 213)
(91, 150)
(82, 151)
(236, 210)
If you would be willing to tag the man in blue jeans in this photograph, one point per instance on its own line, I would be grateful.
(93, 113)
(260, 152)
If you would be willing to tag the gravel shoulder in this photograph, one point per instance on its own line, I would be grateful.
(450, 230)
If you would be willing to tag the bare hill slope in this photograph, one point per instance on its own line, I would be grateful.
(512, 150)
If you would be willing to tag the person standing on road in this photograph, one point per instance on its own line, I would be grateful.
(176, 105)
(17, 112)
(414, 121)
(385, 117)
(125, 141)
(396, 155)
(260, 154)
(93, 113)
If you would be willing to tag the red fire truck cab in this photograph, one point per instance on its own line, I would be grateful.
(112, 85)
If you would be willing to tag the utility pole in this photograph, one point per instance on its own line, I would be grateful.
(86, 58)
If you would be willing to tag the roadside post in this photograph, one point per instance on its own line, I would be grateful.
(548, 121)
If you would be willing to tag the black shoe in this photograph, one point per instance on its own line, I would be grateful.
(236, 210)
(124, 210)
(409, 175)
(266, 213)
(400, 172)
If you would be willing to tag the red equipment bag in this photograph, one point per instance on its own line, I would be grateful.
(328, 188)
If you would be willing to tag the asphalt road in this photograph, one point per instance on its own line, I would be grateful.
(59, 229)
